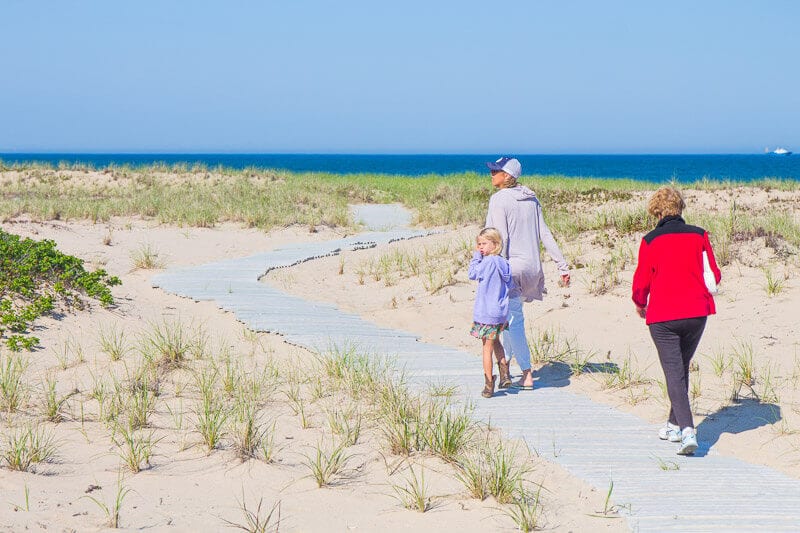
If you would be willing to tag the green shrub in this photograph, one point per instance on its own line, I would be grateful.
(34, 277)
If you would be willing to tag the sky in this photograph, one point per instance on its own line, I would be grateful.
(418, 76)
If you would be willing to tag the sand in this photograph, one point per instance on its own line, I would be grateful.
(761, 426)
(185, 487)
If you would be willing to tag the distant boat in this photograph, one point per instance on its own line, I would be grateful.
(780, 151)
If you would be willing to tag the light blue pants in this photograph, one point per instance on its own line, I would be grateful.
(514, 341)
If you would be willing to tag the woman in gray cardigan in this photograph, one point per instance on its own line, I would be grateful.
(517, 214)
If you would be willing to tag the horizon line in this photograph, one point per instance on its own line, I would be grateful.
(397, 154)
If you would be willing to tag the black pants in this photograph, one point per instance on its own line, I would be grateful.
(676, 342)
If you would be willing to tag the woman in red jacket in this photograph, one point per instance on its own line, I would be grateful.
(670, 294)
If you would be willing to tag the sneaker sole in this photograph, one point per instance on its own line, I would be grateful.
(689, 449)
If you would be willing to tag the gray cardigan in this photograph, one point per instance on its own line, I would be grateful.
(517, 215)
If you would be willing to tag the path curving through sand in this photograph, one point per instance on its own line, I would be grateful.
(596, 443)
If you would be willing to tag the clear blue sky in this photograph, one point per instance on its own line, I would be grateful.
(418, 76)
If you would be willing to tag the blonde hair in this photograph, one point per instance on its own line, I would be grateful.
(666, 201)
(491, 234)
(509, 182)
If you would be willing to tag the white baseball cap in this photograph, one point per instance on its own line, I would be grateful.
(509, 165)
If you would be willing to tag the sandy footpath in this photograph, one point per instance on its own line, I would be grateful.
(187, 488)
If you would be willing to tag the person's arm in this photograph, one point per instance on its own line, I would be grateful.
(712, 261)
(641, 280)
(474, 271)
(552, 248)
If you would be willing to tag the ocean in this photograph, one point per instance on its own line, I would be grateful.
(657, 168)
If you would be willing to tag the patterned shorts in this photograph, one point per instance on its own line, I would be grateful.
(487, 331)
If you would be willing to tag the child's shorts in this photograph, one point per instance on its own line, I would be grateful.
(487, 331)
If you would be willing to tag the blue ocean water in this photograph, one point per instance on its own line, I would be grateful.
(658, 168)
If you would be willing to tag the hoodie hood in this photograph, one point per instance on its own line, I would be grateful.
(521, 193)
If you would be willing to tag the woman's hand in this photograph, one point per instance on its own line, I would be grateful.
(641, 311)
(565, 280)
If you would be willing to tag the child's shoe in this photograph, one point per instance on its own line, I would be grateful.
(670, 432)
(504, 380)
(688, 442)
(488, 389)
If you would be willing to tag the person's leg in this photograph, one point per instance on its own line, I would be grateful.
(488, 364)
(690, 331)
(668, 346)
(503, 376)
(515, 342)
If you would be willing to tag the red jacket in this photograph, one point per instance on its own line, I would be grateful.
(670, 272)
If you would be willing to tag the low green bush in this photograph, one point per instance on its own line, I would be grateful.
(35, 278)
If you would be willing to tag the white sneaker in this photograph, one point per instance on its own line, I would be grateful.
(688, 443)
(670, 432)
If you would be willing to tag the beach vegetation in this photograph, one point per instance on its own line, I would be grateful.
(211, 417)
(14, 391)
(53, 402)
(436, 265)
(258, 520)
(267, 447)
(113, 510)
(147, 257)
(413, 492)
(346, 424)
(112, 339)
(744, 367)
(768, 385)
(35, 278)
(135, 447)
(719, 362)
(140, 404)
(473, 472)
(248, 434)
(28, 445)
(26, 490)
(168, 342)
(549, 345)
(665, 464)
(608, 507)
(773, 285)
(580, 360)
(603, 276)
(506, 471)
(326, 465)
(448, 431)
(624, 376)
(526, 509)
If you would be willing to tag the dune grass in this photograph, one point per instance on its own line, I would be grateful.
(202, 197)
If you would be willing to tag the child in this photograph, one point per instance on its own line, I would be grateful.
(490, 314)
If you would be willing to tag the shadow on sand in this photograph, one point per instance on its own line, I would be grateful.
(743, 415)
(557, 374)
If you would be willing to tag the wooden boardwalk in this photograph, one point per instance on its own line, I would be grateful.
(597, 443)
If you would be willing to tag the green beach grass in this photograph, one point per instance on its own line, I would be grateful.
(197, 196)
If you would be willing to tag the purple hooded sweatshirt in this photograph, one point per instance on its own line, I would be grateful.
(517, 215)
(494, 282)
